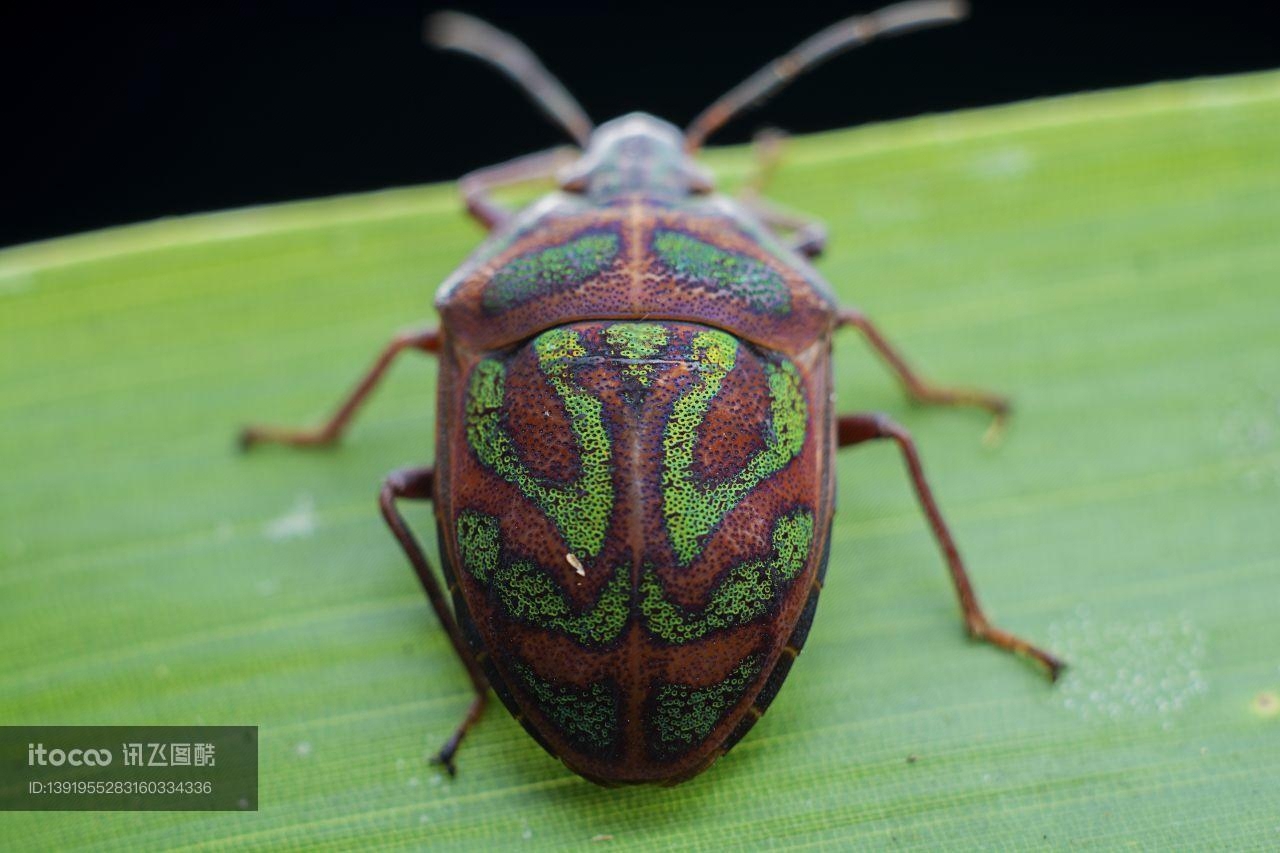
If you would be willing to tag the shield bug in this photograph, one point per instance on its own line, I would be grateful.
(634, 484)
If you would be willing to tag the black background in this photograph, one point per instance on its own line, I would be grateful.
(120, 113)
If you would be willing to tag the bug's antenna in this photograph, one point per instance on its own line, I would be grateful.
(456, 31)
(834, 40)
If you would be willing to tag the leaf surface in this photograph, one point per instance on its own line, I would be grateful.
(1112, 261)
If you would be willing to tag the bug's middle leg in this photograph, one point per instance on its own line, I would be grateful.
(425, 340)
(417, 484)
(922, 390)
(856, 429)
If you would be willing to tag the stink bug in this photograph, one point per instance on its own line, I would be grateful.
(634, 485)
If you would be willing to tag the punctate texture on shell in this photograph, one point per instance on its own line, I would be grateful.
(684, 470)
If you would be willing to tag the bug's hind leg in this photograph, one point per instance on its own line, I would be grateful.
(427, 340)
(805, 235)
(417, 484)
(476, 187)
(859, 428)
(922, 390)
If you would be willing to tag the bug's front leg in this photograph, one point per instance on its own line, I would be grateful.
(806, 235)
(476, 186)
(856, 429)
(417, 484)
(424, 340)
(922, 390)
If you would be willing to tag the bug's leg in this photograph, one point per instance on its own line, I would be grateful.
(766, 147)
(856, 429)
(427, 340)
(476, 186)
(922, 390)
(806, 235)
(416, 484)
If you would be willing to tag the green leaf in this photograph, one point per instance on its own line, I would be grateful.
(1112, 261)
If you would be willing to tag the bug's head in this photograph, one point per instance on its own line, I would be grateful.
(636, 152)
(640, 152)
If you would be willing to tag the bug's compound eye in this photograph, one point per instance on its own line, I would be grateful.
(573, 179)
(700, 181)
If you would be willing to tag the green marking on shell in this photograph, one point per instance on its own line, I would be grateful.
(684, 716)
(636, 342)
(691, 509)
(529, 594)
(711, 267)
(587, 716)
(532, 596)
(479, 543)
(744, 595)
(537, 273)
(580, 510)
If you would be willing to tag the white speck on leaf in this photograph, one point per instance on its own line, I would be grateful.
(1251, 432)
(886, 208)
(298, 522)
(17, 282)
(1128, 670)
(1007, 162)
